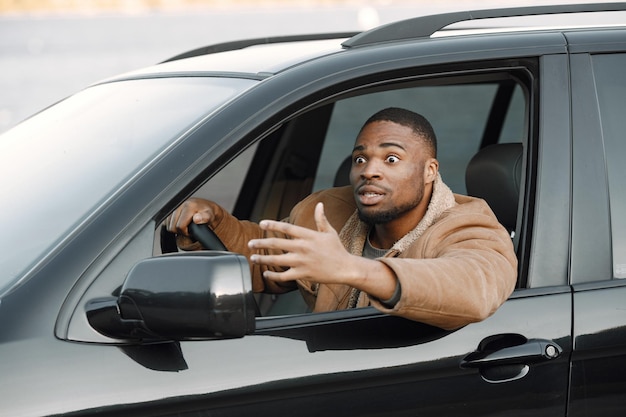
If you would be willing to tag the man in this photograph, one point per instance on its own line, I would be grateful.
(397, 238)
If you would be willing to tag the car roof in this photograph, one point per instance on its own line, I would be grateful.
(255, 61)
(431, 26)
(263, 57)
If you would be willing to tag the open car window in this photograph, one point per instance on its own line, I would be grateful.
(305, 154)
(309, 152)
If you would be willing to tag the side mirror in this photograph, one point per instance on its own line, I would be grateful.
(179, 296)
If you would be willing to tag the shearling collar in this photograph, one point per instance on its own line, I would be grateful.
(354, 232)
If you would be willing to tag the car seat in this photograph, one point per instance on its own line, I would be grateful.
(342, 176)
(494, 174)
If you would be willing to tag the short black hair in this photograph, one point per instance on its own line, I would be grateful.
(415, 121)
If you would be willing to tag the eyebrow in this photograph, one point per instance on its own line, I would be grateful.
(382, 145)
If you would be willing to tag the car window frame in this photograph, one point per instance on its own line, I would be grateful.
(440, 77)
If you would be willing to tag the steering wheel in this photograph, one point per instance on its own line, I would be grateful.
(206, 236)
(201, 232)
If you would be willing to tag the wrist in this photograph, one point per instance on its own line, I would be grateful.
(391, 302)
(376, 279)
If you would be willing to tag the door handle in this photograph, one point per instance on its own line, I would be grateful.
(532, 351)
(507, 357)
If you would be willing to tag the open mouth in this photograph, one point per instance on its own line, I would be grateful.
(368, 196)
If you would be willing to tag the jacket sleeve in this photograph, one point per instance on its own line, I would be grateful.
(459, 272)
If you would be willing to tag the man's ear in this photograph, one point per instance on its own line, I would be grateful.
(431, 168)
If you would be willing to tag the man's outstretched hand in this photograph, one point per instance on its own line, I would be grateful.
(309, 254)
(319, 256)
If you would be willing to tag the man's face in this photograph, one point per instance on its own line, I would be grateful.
(391, 169)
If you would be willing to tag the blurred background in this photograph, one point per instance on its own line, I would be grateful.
(50, 49)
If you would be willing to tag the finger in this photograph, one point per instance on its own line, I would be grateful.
(183, 219)
(320, 219)
(172, 220)
(286, 228)
(202, 217)
(280, 276)
(285, 260)
(275, 243)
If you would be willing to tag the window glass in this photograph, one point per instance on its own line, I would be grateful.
(515, 127)
(458, 113)
(225, 185)
(611, 87)
(77, 153)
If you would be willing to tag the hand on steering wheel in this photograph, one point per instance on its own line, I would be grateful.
(206, 236)
(200, 232)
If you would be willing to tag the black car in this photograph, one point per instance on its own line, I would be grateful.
(100, 314)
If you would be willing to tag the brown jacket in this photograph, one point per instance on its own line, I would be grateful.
(456, 267)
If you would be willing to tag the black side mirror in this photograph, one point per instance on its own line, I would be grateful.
(179, 296)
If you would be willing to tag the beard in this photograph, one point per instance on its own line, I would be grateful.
(385, 216)
(380, 217)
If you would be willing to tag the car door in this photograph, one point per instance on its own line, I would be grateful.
(598, 255)
(514, 363)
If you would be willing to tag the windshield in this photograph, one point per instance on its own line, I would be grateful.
(87, 145)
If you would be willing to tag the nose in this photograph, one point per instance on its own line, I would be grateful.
(368, 170)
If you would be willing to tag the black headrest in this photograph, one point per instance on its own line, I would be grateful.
(342, 177)
(494, 174)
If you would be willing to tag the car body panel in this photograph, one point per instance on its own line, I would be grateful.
(288, 356)
(598, 360)
(550, 253)
(597, 262)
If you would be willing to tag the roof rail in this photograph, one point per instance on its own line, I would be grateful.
(426, 26)
(240, 44)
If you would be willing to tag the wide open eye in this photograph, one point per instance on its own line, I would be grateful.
(359, 160)
(392, 159)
